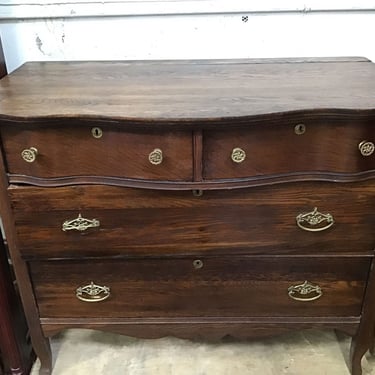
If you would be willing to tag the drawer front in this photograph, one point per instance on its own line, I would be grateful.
(74, 151)
(208, 286)
(276, 149)
(252, 221)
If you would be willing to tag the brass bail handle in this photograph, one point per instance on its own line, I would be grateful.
(80, 224)
(305, 292)
(93, 293)
(314, 221)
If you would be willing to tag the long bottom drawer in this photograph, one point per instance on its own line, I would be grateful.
(208, 286)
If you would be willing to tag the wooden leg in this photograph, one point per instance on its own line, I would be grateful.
(16, 353)
(357, 351)
(372, 347)
(42, 349)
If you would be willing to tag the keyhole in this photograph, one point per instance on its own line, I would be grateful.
(197, 193)
(197, 264)
(300, 129)
(96, 132)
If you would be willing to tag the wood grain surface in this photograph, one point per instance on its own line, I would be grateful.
(224, 286)
(147, 222)
(69, 151)
(186, 89)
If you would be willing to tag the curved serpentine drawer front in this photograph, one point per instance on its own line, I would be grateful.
(308, 218)
(98, 151)
(208, 286)
(287, 147)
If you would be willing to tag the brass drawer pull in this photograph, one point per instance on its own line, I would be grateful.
(314, 218)
(80, 224)
(156, 157)
(29, 154)
(238, 155)
(305, 292)
(93, 293)
(366, 148)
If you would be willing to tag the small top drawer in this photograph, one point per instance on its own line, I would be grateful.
(52, 152)
(290, 148)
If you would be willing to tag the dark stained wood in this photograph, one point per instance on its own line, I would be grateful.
(277, 149)
(147, 222)
(242, 225)
(182, 185)
(203, 328)
(197, 157)
(185, 89)
(15, 350)
(120, 157)
(364, 338)
(40, 344)
(223, 287)
(16, 354)
(116, 153)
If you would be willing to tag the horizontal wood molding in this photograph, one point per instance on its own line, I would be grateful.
(207, 327)
(203, 185)
(26, 9)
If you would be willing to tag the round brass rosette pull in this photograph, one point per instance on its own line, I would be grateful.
(29, 154)
(366, 148)
(156, 156)
(238, 155)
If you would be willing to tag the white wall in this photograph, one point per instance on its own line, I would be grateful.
(184, 29)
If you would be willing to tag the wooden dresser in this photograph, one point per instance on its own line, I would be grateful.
(199, 199)
(16, 356)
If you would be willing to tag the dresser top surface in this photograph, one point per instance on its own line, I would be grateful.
(185, 90)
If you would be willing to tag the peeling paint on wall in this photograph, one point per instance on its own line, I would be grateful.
(39, 44)
(190, 37)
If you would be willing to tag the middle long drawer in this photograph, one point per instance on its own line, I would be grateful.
(303, 218)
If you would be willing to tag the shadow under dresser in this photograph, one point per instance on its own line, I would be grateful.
(199, 199)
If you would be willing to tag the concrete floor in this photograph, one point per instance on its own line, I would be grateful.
(311, 352)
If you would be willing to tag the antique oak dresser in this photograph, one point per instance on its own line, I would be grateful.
(199, 199)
